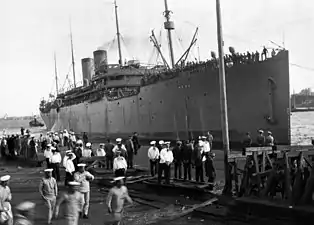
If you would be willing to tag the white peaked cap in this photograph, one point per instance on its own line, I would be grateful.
(153, 142)
(203, 137)
(5, 178)
(49, 145)
(260, 131)
(167, 142)
(79, 142)
(88, 144)
(74, 183)
(48, 170)
(25, 206)
(101, 144)
(53, 148)
(118, 178)
(81, 164)
(32, 135)
(68, 151)
(161, 142)
(118, 139)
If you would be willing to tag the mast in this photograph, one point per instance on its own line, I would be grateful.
(169, 25)
(118, 33)
(223, 101)
(56, 73)
(73, 63)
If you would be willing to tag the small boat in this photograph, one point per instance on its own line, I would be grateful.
(35, 123)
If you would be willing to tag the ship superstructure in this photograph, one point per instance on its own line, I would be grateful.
(179, 100)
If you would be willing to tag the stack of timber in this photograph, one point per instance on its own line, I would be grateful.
(278, 178)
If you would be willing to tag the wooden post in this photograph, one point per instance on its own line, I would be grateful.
(223, 102)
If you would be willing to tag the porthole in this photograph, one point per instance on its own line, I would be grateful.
(140, 99)
(205, 94)
(118, 103)
(161, 102)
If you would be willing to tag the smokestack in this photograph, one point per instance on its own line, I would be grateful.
(87, 70)
(100, 61)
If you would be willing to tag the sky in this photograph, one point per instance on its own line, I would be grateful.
(32, 30)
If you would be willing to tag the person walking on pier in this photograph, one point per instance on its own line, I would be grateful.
(72, 199)
(100, 152)
(6, 215)
(48, 190)
(130, 151)
(55, 161)
(25, 212)
(109, 154)
(116, 199)
(119, 165)
(166, 158)
(69, 166)
(84, 177)
(177, 159)
(187, 151)
(260, 138)
(47, 155)
(153, 156)
(120, 148)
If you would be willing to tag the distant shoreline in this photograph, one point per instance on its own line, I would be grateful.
(20, 118)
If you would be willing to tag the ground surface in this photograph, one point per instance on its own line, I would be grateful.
(25, 180)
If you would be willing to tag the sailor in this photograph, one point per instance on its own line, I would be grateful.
(260, 138)
(187, 151)
(25, 213)
(273, 53)
(256, 56)
(269, 140)
(55, 161)
(5, 199)
(198, 161)
(72, 139)
(56, 138)
(120, 147)
(119, 165)
(210, 169)
(72, 199)
(160, 145)
(100, 152)
(48, 190)
(206, 145)
(84, 177)
(109, 154)
(87, 152)
(177, 159)
(69, 166)
(166, 158)
(47, 155)
(78, 151)
(130, 151)
(264, 53)
(116, 199)
(153, 156)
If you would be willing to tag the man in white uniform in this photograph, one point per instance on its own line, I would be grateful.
(84, 177)
(166, 158)
(5, 199)
(153, 156)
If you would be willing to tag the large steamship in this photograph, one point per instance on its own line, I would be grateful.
(173, 101)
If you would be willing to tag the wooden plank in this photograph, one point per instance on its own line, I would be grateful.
(184, 212)
(294, 147)
(257, 149)
(140, 180)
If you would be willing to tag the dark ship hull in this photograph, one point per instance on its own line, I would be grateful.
(189, 105)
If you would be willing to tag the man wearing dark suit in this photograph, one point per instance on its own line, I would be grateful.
(109, 154)
(136, 143)
(129, 145)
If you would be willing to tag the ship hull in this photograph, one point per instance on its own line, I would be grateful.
(189, 105)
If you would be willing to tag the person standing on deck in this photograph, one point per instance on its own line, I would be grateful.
(269, 140)
(153, 156)
(69, 166)
(119, 165)
(187, 151)
(120, 148)
(25, 213)
(116, 199)
(109, 154)
(87, 152)
(48, 190)
(130, 152)
(47, 155)
(72, 199)
(159, 145)
(260, 138)
(166, 158)
(136, 143)
(198, 161)
(5, 201)
(55, 161)
(100, 152)
(84, 177)
(177, 159)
